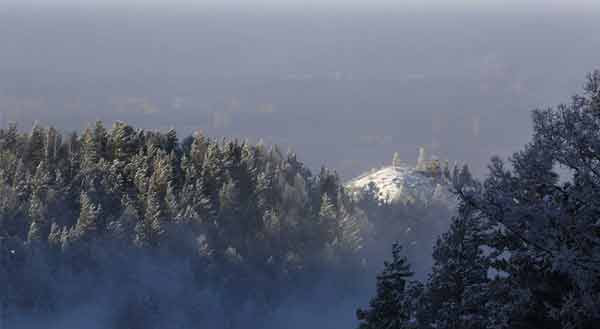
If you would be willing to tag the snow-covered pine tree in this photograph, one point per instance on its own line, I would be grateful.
(328, 219)
(87, 225)
(150, 231)
(390, 307)
(35, 152)
(89, 149)
(546, 229)
(456, 290)
(124, 140)
(39, 227)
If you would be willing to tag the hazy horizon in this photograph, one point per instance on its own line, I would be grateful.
(364, 80)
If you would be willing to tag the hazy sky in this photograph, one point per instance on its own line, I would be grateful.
(344, 83)
(520, 4)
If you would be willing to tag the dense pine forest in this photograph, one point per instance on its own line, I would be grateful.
(128, 228)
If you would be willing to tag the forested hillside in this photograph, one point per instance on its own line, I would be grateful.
(126, 228)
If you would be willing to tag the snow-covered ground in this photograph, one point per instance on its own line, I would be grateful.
(403, 183)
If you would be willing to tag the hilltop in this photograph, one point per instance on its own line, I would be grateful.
(428, 180)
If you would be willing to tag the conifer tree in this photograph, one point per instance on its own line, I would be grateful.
(456, 290)
(328, 218)
(151, 230)
(124, 140)
(230, 211)
(39, 227)
(53, 141)
(390, 307)
(10, 138)
(198, 149)
(212, 170)
(101, 140)
(21, 181)
(89, 148)
(87, 225)
(171, 141)
(74, 156)
(35, 147)
(352, 226)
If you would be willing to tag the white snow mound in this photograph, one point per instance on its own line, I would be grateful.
(404, 183)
